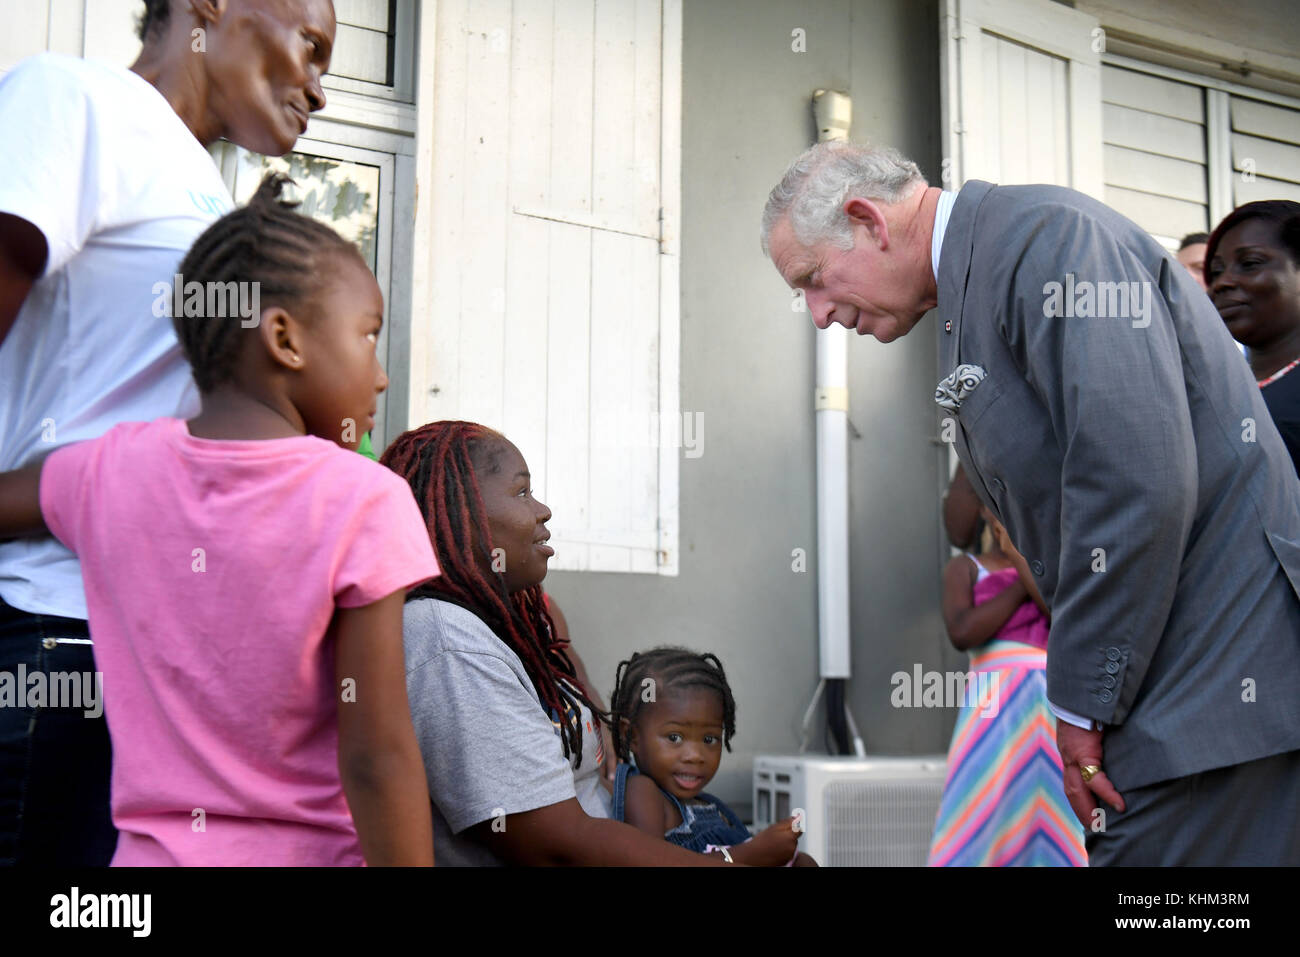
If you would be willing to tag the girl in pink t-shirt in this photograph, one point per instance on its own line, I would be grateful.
(245, 571)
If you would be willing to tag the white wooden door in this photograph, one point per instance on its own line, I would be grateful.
(1021, 94)
(552, 312)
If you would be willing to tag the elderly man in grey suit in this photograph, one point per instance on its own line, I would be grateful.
(1104, 415)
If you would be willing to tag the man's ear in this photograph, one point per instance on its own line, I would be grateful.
(863, 212)
(282, 337)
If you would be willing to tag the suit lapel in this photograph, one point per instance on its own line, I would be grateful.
(954, 274)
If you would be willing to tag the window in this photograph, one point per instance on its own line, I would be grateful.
(355, 167)
(1265, 149)
(373, 48)
(1155, 152)
(350, 190)
(1182, 150)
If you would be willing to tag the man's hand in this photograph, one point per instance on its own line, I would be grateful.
(1079, 748)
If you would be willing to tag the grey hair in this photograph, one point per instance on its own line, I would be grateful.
(815, 187)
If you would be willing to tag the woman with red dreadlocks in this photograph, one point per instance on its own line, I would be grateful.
(511, 743)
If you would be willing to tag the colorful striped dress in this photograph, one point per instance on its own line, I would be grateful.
(1003, 802)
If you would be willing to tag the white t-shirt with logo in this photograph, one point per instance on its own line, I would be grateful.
(95, 158)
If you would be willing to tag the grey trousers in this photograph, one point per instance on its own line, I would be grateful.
(1246, 814)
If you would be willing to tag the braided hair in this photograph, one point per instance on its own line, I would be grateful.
(438, 462)
(265, 242)
(667, 668)
(154, 18)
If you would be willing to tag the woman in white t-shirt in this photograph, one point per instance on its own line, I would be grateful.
(511, 740)
(105, 181)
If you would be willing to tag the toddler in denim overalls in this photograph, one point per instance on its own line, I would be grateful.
(673, 713)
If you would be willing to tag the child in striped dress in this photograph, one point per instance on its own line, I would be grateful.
(1003, 801)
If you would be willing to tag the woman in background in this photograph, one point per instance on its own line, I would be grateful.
(1252, 269)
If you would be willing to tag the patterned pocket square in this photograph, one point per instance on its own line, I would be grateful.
(957, 386)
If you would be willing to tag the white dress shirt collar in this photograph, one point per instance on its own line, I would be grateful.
(942, 210)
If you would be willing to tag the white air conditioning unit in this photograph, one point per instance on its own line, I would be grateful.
(857, 812)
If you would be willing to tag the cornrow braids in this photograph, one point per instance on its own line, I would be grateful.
(437, 461)
(667, 668)
(265, 242)
(154, 18)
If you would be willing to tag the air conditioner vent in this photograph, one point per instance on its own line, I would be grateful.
(885, 823)
(857, 812)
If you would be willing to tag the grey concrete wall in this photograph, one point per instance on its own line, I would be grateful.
(747, 367)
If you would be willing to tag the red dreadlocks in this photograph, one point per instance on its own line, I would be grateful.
(437, 461)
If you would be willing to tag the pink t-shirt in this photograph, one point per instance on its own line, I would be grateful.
(212, 571)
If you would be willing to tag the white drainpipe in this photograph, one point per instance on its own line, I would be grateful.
(833, 112)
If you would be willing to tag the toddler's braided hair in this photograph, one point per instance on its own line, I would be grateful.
(265, 242)
(438, 462)
(668, 668)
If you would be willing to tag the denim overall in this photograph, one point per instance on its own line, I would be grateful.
(702, 824)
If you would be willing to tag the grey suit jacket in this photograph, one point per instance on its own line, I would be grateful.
(1127, 450)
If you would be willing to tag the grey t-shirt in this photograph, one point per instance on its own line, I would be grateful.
(489, 749)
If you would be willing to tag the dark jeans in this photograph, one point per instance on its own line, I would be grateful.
(54, 762)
